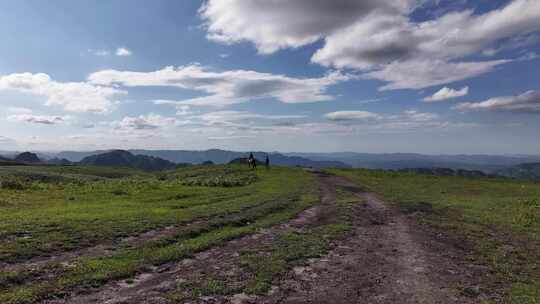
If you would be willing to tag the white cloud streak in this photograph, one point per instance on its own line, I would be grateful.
(37, 119)
(447, 93)
(227, 87)
(528, 102)
(351, 116)
(144, 122)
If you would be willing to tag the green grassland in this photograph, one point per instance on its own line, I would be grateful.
(56, 209)
(499, 217)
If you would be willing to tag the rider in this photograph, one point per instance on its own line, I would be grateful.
(251, 161)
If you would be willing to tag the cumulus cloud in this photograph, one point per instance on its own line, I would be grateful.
(351, 115)
(37, 119)
(122, 51)
(274, 25)
(71, 96)
(380, 38)
(447, 93)
(377, 36)
(226, 87)
(528, 102)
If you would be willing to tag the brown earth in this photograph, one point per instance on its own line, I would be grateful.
(387, 259)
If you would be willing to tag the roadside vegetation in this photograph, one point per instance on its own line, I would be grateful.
(498, 218)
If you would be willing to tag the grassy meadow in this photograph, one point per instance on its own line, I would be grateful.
(500, 218)
(47, 211)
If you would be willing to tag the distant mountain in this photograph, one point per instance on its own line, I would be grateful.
(193, 157)
(446, 172)
(216, 156)
(524, 171)
(121, 158)
(390, 161)
(27, 158)
(396, 161)
(2, 158)
(75, 156)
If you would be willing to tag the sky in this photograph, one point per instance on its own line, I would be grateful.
(379, 76)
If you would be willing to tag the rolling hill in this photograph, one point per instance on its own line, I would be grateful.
(216, 156)
(523, 171)
(121, 158)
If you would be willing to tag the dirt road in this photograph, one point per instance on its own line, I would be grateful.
(387, 259)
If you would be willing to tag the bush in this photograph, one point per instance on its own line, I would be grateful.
(213, 176)
(13, 185)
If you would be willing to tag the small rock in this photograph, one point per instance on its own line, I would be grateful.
(163, 269)
(273, 290)
(299, 270)
(240, 298)
(209, 299)
(471, 292)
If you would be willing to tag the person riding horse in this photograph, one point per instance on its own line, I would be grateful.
(252, 162)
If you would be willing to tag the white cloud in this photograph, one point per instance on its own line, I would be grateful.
(382, 38)
(144, 122)
(37, 119)
(404, 122)
(227, 87)
(447, 93)
(122, 51)
(351, 115)
(221, 117)
(232, 137)
(71, 96)
(426, 73)
(374, 122)
(278, 24)
(182, 110)
(528, 102)
(378, 36)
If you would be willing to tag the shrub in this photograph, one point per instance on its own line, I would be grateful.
(13, 185)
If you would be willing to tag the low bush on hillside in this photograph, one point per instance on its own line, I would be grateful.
(212, 176)
(12, 184)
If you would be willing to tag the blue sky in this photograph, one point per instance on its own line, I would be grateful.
(428, 76)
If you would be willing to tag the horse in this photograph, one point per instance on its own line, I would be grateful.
(252, 163)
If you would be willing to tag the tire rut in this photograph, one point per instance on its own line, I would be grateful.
(105, 249)
(149, 287)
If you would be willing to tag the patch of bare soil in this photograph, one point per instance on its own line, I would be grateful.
(386, 260)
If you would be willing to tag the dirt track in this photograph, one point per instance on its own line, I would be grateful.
(386, 260)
